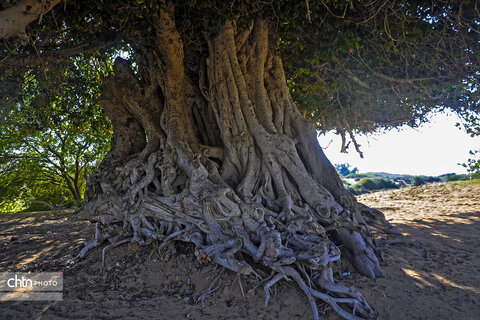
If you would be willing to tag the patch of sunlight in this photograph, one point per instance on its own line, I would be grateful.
(461, 220)
(417, 276)
(35, 256)
(455, 285)
(421, 225)
(475, 217)
(441, 235)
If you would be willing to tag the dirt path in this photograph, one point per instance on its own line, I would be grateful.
(432, 272)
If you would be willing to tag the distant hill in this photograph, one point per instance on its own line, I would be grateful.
(398, 175)
(359, 183)
(387, 175)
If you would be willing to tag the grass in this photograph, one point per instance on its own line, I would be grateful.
(465, 182)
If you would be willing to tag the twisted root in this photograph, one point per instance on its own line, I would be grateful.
(225, 228)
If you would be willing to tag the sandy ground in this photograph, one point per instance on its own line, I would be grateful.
(432, 271)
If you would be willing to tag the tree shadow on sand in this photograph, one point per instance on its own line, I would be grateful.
(432, 271)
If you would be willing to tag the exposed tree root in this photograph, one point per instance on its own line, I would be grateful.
(113, 245)
(258, 195)
(214, 285)
(226, 229)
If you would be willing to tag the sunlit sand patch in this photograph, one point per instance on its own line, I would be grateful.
(441, 235)
(455, 285)
(417, 276)
(35, 256)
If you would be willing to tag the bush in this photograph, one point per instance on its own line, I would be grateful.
(375, 184)
(34, 195)
(358, 175)
(432, 179)
(344, 169)
(386, 184)
(418, 181)
(457, 177)
(367, 184)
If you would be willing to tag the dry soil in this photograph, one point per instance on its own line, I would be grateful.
(432, 271)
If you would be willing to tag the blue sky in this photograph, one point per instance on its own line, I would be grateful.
(432, 149)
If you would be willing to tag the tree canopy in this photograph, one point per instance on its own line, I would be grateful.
(208, 101)
(350, 65)
(54, 138)
(472, 127)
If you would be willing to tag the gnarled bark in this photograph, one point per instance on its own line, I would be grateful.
(227, 163)
(15, 19)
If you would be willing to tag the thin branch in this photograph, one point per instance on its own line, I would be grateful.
(57, 55)
(400, 80)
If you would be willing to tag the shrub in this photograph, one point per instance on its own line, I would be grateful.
(432, 179)
(418, 181)
(358, 175)
(375, 184)
(457, 177)
(366, 183)
(344, 169)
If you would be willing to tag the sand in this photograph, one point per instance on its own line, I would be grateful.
(432, 271)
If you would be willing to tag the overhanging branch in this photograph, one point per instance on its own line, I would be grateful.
(401, 80)
(15, 19)
(57, 55)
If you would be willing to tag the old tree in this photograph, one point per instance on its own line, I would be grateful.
(211, 144)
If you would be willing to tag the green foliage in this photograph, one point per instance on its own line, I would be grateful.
(368, 65)
(363, 175)
(368, 184)
(353, 66)
(421, 180)
(54, 137)
(344, 169)
(378, 181)
(417, 181)
(457, 177)
(473, 164)
(369, 72)
(471, 125)
(466, 182)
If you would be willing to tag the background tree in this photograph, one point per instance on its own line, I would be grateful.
(208, 144)
(343, 169)
(55, 136)
(471, 125)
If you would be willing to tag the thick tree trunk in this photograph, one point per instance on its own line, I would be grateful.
(224, 160)
(74, 189)
(15, 19)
